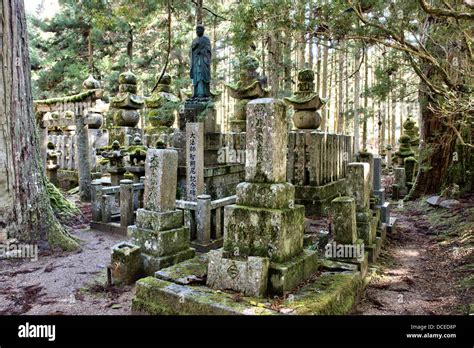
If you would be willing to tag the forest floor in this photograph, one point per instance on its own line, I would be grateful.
(426, 267)
(65, 283)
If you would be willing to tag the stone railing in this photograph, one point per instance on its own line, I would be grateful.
(113, 207)
(205, 219)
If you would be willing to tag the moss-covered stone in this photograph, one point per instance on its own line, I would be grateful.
(160, 243)
(329, 294)
(264, 195)
(158, 297)
(286, 276)
(159, 221)
(277, 234)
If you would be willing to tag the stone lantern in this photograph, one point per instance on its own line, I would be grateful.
(250, 86)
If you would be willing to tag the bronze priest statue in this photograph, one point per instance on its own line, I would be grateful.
(201, 64)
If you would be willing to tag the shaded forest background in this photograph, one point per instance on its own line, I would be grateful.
(376, 61)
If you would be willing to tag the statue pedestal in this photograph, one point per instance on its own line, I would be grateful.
(200, 110)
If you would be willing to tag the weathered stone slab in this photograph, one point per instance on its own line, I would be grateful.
(399, 174)
(159, 221)
(366, 226)
(266, 195)
(266, 141)
(159, 297)
(344, 220)
(377, 184)
(194, 160)
(358, 184)
(192, 271)
(161, 175)
(249, 277)
(276, 234)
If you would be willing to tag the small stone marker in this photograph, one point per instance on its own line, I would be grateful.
(161, 177)
(159, 229)
(263, 239)
(359, 184)
(344, 220)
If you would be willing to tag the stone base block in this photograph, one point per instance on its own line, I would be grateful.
(160, 243)
(249, 277)
(159, 221)
(152, 264)
(159, 297)
(317, 199)
(263, 195)
(126, 264)
(273, 233)
(333, 293)
(203, 248)
(285, 277)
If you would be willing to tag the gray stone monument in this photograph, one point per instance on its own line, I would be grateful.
(159, 229)
(194, 160)
(359, 186)
(263, 239)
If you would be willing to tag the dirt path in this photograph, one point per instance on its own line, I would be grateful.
(427, 265)
(64, 283)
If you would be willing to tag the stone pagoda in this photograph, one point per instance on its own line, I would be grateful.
(306, 102)
(124, 110)
(250, 86)
(412, 132)
(263, 239)
(161, 109)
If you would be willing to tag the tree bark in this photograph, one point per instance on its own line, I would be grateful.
(436, 150)
(25, 209)
(357, 102)
(340, 102)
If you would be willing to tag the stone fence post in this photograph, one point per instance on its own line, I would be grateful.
(126, 203)
(96, 199)
(203, 217)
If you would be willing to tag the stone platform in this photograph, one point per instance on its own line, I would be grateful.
(317, 199)
(180, 290)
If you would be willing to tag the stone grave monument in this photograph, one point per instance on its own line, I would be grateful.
(263, 240)
(159, 227)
